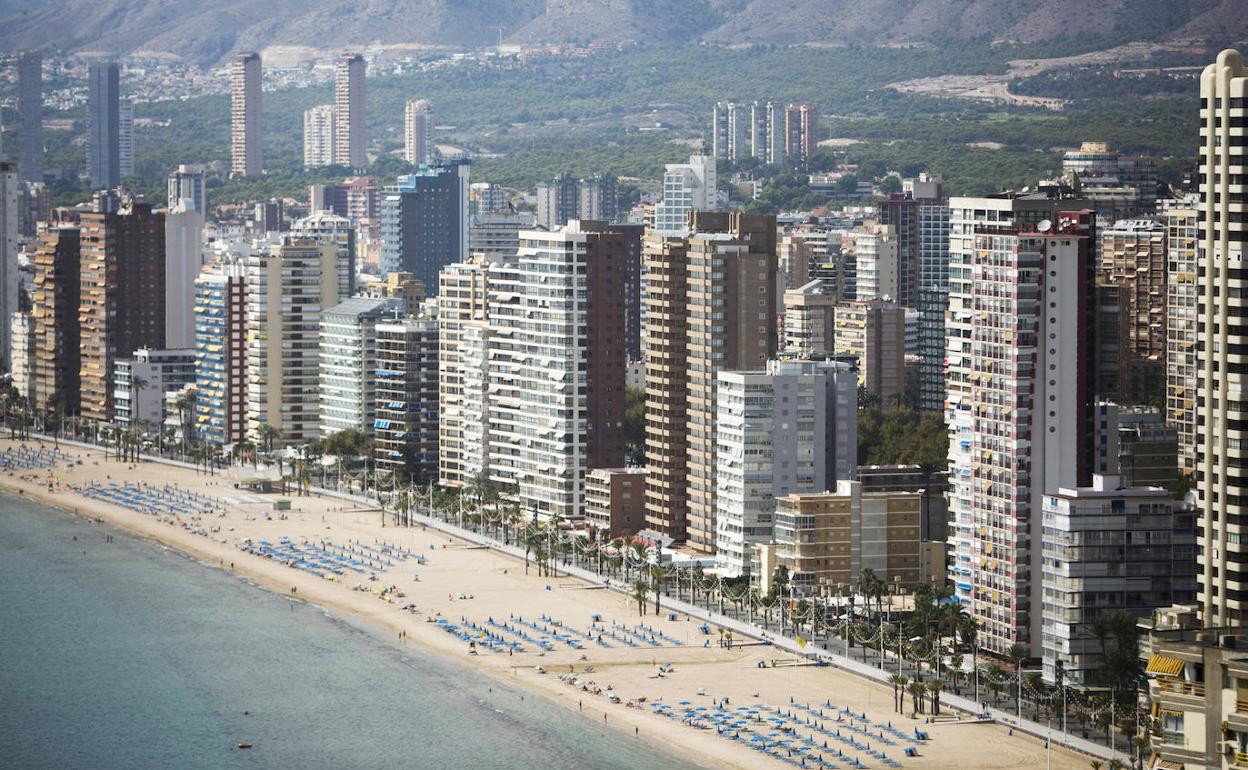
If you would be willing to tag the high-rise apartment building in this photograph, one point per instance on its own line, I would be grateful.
(556, 366)
(123, 269)
(801, 131)
(287, 289)
(1108, 547)
(730, 131)
(30, 113)
(348, 349)
(710, 305)
(1221, 400)
(878, 261)
(789, 428)
(767, 131)
(1182, 220)
(1021, 350)
(187, 183)
(22, 354)
(1117, 186)
(598, 198)
(245, 89)
(184, 258)
(900, 213)
(318, 136)
(221, 354)
(326, 227)
(424, 222)
(809, 321)
(418, 132)
(10, 213)
(406, 424)
(687, 187)
(1132, 255)
(350, 136)
(463, 337)
(496, 234)
(933, 289)
(54, 309)
(104, 125)
(125, 138)
(557, 201)
(874, 332)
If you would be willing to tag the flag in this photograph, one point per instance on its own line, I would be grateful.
(801, 642)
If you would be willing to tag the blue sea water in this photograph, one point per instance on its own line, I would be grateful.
(130, 655)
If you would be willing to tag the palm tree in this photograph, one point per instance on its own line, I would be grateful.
(899, 683)
(640, 593)
(933, 687)
(267, 434)
(1016, 655)
(138, 385)
(1097, 764)
(657, 574)
(917, 690)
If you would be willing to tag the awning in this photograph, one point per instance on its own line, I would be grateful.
(1160, 664)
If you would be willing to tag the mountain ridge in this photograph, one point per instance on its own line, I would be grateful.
(206, 33)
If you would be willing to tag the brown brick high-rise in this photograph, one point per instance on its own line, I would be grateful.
(710, 305)
(54, 307)
(121, 305)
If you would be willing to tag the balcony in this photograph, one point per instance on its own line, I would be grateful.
(1180, 694)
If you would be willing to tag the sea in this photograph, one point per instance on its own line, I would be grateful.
(127, 654)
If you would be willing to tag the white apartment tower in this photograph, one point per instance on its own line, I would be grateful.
(245, 82)
(1222, 304)
(9, 278)
(287, 288)
(791, 428)
(686, 187)
(418, 132)
(1020, 353)
(318, 136)
(184, 258)
(348, 348)
(463, 339)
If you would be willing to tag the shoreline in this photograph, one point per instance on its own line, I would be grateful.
(498, 579)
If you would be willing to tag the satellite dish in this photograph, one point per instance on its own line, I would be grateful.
(1044, 226)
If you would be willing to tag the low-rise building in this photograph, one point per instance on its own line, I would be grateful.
(615, 500)
(828, 538)
(1197, 691)
(141, 382)
(1109, 548)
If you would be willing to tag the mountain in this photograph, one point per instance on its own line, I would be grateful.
(206, 32)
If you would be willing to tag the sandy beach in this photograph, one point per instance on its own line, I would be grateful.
(501, 605)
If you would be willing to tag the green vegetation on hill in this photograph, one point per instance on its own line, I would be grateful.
(584, 115)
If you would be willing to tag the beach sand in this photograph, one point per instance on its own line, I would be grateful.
(500, 588)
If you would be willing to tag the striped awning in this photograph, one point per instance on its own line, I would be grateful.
(1160, 664)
